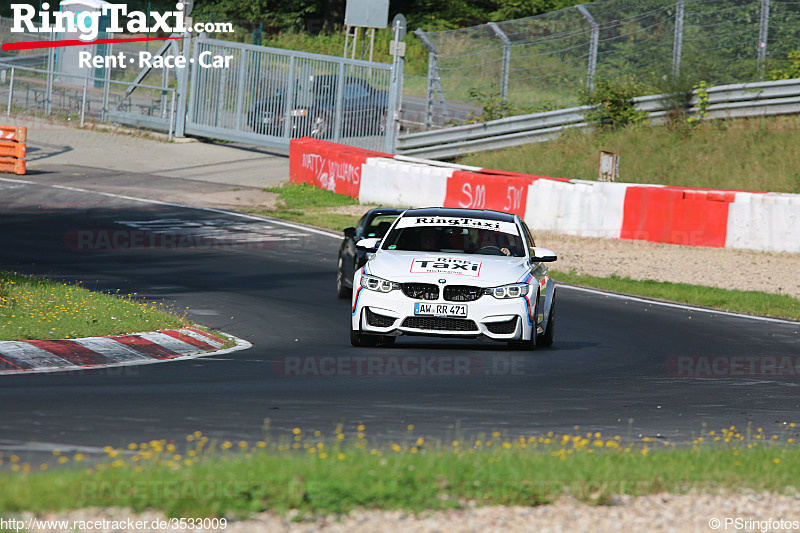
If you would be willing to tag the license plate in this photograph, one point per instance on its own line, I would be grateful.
(421, 309)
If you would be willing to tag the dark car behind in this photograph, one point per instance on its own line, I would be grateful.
(375, 223)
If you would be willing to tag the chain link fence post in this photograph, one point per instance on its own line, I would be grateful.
(51, 69)
(83, 101)
(183, 84)
(395, 90)
(434, 82)
(763, 31)
(506, 59)
(593, 44)
(677, 44)
(10, 92)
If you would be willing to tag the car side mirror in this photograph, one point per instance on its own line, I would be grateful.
(368, 245)
(350, 233)
(543, 255)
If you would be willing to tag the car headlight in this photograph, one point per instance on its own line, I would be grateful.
(515, 290)
(374, 283)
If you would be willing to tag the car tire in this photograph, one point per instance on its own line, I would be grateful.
(388, 340)
(548, 336)
(531, 343)
(360, 340)
(342, 291)
(355, 338)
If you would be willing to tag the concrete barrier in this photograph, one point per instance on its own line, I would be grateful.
(768, 222)
(403, 184)
(584, 208)
(656, 213)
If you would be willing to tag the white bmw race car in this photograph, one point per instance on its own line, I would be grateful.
(454, 273)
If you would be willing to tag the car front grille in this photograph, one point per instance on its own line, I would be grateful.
(379, 321)
(421, 291)
(439, 324)
(462, 293)
(502, 328)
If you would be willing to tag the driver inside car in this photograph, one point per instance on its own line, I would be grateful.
(490, 239)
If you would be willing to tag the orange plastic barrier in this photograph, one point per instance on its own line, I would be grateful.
(12, 149)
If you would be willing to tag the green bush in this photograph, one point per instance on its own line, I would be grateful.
(789, 71)
(612, 103)
(493, 107)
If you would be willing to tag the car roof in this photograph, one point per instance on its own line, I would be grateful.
(384, 211)
(484, 214)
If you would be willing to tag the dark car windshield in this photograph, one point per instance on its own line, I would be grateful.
(449, 239)
(379, 225)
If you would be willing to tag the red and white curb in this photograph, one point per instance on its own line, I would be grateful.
(58, 355)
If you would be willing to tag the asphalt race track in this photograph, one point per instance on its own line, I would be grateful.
(614, 359)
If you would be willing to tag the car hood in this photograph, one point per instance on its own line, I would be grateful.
(456, 269)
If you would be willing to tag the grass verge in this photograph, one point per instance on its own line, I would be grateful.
(750, 302)
(317, 474)
(755, 154)
(34, 308)
(309, 205)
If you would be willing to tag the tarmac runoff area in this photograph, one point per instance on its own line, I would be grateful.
(57, 144)
(124, 150)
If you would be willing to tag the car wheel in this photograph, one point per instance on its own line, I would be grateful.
(342, 291)
(388, 340)
(359, 339)
(320, 127)
(548, 336)
(355, 338)
(529, 344)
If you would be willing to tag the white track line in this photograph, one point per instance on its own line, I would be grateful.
(336, 236)
(172, 204)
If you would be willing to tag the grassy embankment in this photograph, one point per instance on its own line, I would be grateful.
(746, 154)
(34, 308)
(315, 473)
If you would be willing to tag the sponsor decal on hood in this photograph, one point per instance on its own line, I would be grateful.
(446, 265)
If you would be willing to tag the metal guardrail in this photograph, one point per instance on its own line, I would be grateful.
(726, 101)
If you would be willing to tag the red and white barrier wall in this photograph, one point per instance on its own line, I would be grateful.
(694, 217)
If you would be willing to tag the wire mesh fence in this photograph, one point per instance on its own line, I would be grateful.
(276, 95)
(543, 62)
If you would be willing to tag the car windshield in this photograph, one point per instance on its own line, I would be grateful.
(378, 226)
(451, 238)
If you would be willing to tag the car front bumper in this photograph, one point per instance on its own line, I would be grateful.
(392, 313)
